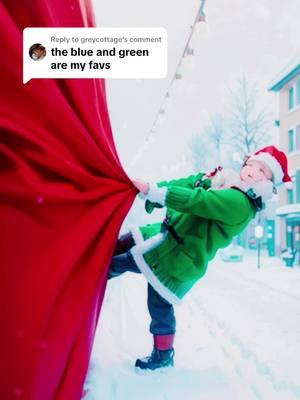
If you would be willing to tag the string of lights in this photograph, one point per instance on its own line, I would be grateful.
(187, 51)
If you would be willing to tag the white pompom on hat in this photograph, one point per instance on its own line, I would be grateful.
(277, 161)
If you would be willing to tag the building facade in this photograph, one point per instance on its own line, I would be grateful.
(287, 85)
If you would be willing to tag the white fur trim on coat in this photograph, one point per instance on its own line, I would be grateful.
(137, 251)
(225, 178)
(228, 177)
(136, 234)
(263, 189)
(156, 194)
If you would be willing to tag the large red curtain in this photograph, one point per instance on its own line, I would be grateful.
(63, 198)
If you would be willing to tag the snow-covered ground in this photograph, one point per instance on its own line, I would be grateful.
(238, 338)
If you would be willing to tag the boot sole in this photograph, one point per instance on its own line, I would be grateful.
(137, 367)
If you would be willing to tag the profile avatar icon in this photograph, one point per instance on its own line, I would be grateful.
(37, 51)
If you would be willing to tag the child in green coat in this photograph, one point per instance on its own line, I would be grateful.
(204, 212)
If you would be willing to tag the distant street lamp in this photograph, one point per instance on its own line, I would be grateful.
(259, 233)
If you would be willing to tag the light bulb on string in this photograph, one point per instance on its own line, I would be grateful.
(201, 29)
(189, 52)
(160, 119)
(201, 17)
(189, 60)
(167, 99)
(201, 13)
(178, 81)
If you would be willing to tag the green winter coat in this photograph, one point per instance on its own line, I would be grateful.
(205, 218)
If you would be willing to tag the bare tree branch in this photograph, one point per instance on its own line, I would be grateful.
(199, 151)
(248, 125)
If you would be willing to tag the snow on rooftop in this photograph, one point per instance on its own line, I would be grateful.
(288, 209)
(292, 64)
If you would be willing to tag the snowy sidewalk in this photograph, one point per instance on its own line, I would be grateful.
(238, 337)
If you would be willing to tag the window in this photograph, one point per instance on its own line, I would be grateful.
(291, 140)
(297, 138)
(290, 196)
(291, 98)
(298, 92)
(297, 185)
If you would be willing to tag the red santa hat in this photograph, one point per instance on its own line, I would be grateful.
(277, 161)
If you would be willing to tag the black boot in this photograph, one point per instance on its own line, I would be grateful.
(157, 359)
(124, 243)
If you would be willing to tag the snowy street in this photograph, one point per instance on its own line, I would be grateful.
(238, 337)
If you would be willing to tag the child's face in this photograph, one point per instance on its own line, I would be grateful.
(255, 171)
(37, 53)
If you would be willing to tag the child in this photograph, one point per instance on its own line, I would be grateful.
(37, 52)
(204, 213)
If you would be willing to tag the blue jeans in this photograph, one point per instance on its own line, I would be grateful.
(163, 320)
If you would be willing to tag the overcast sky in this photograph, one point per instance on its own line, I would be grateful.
(257, 37)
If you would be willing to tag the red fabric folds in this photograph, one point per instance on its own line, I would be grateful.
(63, 198)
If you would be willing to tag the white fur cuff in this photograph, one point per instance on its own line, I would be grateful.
(156, 194)
(141, 196)
(263, 189)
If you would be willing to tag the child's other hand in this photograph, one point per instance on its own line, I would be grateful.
(141, 186)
